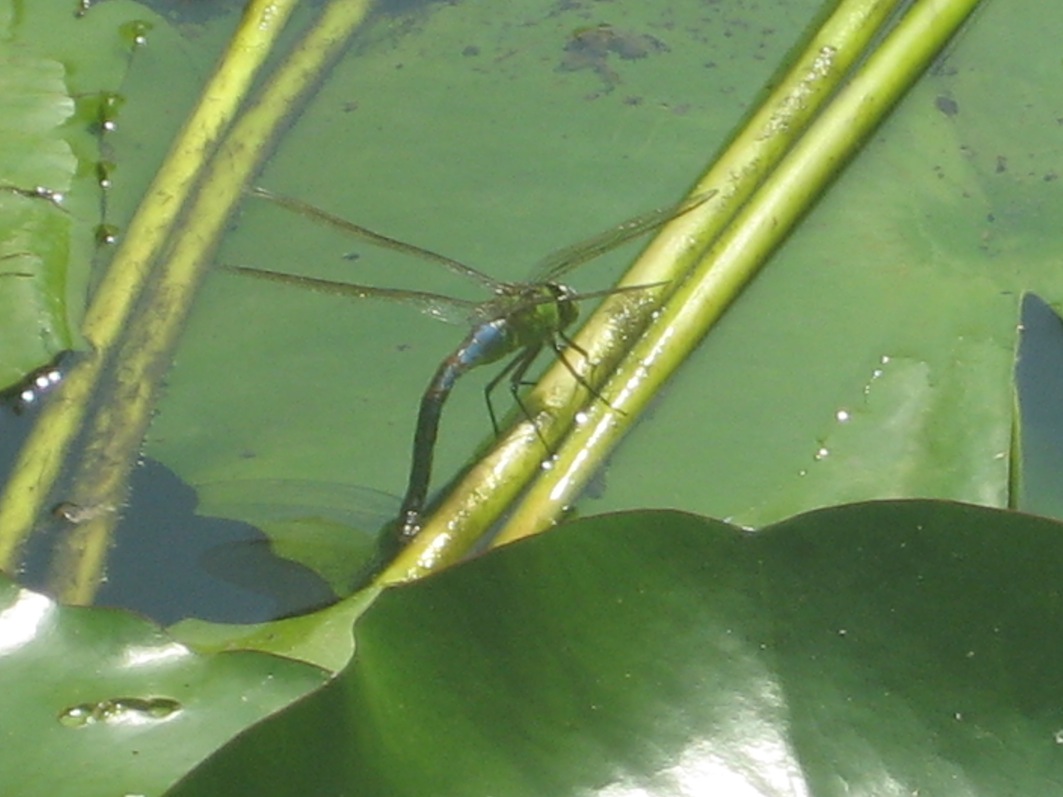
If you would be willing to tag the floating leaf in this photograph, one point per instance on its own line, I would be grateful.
(883, 648)
(106, 703)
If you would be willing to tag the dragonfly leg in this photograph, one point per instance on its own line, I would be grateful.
(515, 370)
(560, 352)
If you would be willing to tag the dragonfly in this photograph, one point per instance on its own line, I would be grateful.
(520, 319)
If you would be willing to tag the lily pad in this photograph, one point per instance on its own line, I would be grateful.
(904, 647)
(105, 703)
(36, 170)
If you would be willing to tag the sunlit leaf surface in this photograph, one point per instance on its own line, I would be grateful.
(36, 171)
(100, 702)
(884, 648)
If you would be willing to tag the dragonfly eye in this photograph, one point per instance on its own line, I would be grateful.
(562, 293)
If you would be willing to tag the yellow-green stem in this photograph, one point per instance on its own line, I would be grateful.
(736, 257)
(492, 484)
(41, 459)
(152, 335)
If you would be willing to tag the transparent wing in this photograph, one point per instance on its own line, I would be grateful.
(434, 305)
(558, 263)
(324, 217)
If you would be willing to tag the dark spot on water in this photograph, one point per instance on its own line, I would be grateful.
(946, 105)
(169, 563)
(595, 47)
(173, 563)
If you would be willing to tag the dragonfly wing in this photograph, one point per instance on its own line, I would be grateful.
(434, 305)
(341, 224)
(554, 265)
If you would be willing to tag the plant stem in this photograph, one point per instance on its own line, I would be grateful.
(748, 164)
(115, 437)
(40, 462)
(741, 250)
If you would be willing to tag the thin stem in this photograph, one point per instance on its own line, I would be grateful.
(146, 350)
(40, 461)
(492, 484)
(739, 253)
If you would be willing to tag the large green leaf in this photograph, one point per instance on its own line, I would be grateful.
(100, 702)
(883, 648)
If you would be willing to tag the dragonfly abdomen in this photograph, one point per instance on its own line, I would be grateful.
(486, 343)
(547, 312)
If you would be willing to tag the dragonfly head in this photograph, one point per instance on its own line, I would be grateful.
(567, 307)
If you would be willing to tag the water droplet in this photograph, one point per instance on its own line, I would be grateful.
(36, 385)
(110, 103)
(104, 172)
(822, 453)
(73, 513)
(106, 235)
(135, 33)
(842, 416)
(119, 710)
(1057, 737)
(48, 379)
(75, 717)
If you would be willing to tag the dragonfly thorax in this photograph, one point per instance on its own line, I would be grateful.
(538, 313)
(567, 307)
